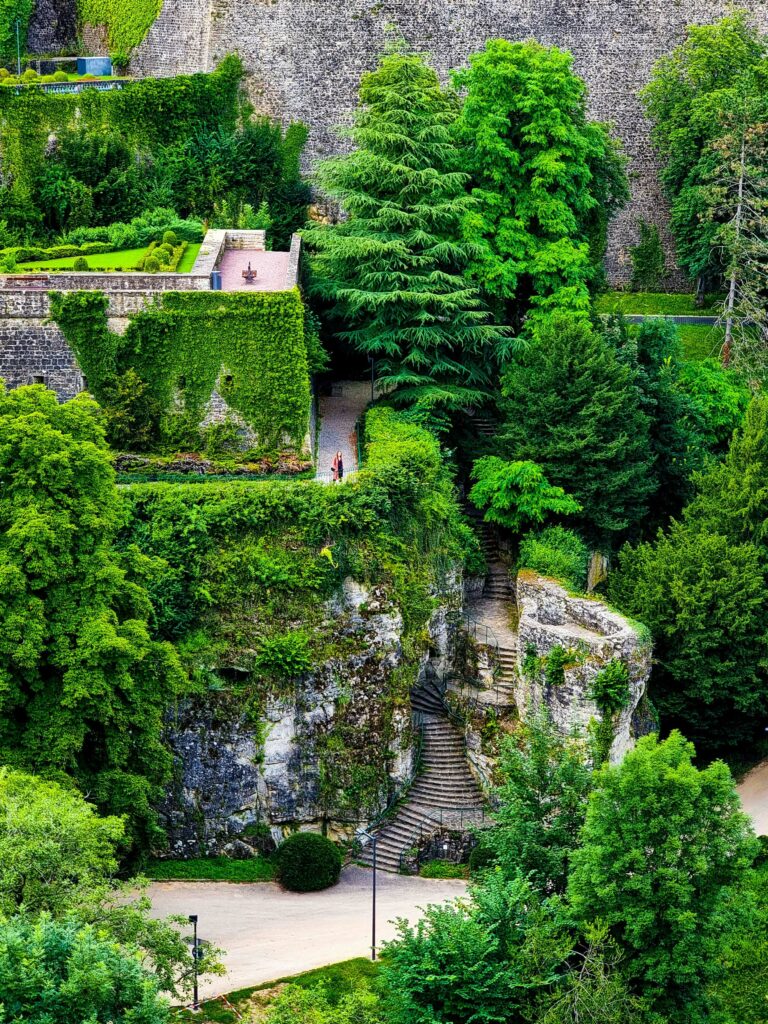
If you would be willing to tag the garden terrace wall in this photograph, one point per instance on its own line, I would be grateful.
(304, 59)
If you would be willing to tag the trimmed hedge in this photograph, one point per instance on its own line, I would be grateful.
(34, 254)
(308, 862)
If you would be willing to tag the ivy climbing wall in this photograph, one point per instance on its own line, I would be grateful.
(195, 349)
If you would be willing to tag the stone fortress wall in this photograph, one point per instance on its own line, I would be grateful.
(304, 59)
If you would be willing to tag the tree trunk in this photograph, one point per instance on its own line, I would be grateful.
(727, 344)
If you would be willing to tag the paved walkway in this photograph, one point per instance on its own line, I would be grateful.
(268, 933)
(754, 797)
(339, 412)
(271, 270)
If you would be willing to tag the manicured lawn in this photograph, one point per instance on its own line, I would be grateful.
(338, 980)
(700, 342)
(125, 258)
(189, 257)
(660, 303)
(212, 869)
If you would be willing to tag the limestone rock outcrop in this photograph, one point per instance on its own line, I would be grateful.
(591, 635)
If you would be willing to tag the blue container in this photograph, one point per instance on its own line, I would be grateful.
(94, 66)
(216, 280)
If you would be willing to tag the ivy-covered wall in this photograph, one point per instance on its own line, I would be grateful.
(124, 24)
(302, 608)
(249, 347)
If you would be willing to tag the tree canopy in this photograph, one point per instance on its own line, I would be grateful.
(394, 269)
(545, 177)
(83, 685)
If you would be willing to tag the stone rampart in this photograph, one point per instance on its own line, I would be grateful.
(305, 57)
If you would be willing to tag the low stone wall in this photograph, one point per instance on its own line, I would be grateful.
(108, 282)
(551, 617)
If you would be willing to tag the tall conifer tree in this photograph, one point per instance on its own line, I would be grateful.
(393, 269)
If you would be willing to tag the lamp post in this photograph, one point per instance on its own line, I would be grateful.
(18, 48)
(195, 956)
(372, 361)
(373, 840)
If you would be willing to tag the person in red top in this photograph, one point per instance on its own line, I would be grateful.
(338, 467)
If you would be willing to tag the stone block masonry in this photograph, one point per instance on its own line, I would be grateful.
(305, 57)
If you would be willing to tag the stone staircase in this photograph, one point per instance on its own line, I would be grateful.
(444, 793)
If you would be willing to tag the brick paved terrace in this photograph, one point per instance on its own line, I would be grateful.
(271, 270)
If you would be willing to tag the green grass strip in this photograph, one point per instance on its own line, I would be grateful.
(211, 869)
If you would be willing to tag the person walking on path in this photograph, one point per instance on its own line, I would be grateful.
(338, 467)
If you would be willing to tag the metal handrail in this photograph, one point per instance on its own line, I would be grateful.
(444, 817)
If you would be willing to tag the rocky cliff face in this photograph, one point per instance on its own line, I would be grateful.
(309, 758)
(590, 636)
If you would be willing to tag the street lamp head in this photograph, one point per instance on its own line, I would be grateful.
(193, 918)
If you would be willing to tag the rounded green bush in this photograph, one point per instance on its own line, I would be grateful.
(169, 238)
(151, 265)
(80, 264)
(481, 857)
(60, 76)
(307, 862)
(4, 72)
(30, 75)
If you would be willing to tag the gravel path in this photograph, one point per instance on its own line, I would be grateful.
(754, 797)
(271, 270)
(339, 412)
(268, 933)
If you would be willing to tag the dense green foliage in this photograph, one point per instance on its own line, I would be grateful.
(126, 24)
(517, 494)
(297, 1005)
(59, 858)
(12, 11)
(654, 858)
(558, 553)
(545, 178)
(184, 346)
(691, 93)
(58, 972)
(307, 862)
(393, 270)
(542, 805)
(235, 566)
(663, 851)
(571, 406)
(214, 869)
(83, 683)
(188, 142)
(700, 588)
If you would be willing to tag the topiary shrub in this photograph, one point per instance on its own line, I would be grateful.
(151, 265)
(80, 264)
(30, 75)
(308, 862)
(60, 76)
(170, 239)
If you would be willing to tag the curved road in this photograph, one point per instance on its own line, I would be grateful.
(753, 791)
(268, 933)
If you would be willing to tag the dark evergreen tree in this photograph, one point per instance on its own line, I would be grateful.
(394, 268)
(572, 406)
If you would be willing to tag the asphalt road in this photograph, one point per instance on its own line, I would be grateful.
(753, 791)
(268, 933)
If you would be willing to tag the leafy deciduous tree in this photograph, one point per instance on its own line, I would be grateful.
(83, 685)
(664, 850)
(546, 178)
(517, 494)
